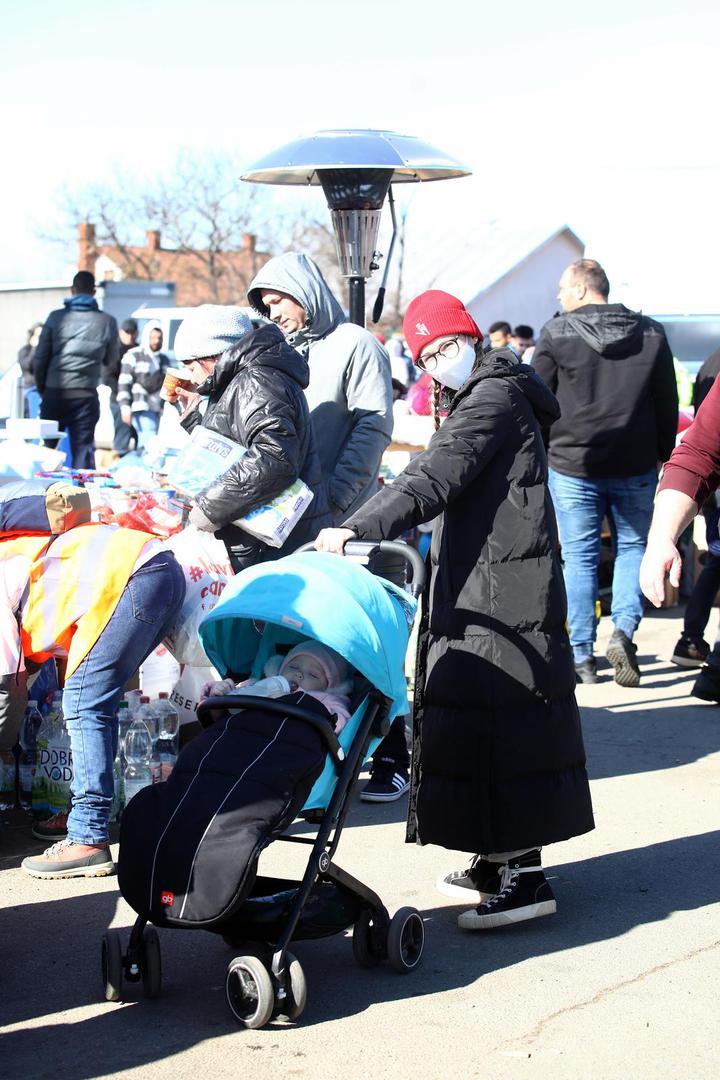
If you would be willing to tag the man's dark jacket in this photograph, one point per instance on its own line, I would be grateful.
(76, 342)
(612, 372)
(498, 758)
(255, 397)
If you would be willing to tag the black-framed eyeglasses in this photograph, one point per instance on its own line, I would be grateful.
(448, 351)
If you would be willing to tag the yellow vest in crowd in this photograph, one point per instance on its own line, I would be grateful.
(75, 583)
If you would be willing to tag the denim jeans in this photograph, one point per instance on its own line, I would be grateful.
(77, 416)
(146, 424)
(147, 609)
(580, 506)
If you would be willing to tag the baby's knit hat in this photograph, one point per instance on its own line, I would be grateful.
(209, 330)
(336, 668)
(435, 314)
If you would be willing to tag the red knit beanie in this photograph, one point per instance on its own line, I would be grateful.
(436, 314)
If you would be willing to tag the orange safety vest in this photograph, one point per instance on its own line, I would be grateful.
(75, 582)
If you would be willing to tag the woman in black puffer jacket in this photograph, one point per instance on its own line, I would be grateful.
(498, 757)
(250, 384)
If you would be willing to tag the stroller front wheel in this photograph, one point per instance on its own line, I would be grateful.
(249, 991)
(406, 940)
(112, 965)
(296, 989)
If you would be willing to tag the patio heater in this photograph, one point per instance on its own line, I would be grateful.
(356, 170)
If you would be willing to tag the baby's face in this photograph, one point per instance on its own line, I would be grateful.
(305, 673)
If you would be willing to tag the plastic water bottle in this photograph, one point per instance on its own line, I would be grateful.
(118, 803)
(41, 780)
(133, 699)
(59, 764)
(138, 754)
(125, 719)
(8, 779)
(28, 751)
(168, 721)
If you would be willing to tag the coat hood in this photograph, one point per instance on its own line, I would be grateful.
(609, 329)
(264, 347)
(504, 364)
(298, 276)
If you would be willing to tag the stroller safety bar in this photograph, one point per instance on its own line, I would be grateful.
(250, 701)
(365, 549)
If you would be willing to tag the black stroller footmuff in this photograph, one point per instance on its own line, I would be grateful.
(189, 847)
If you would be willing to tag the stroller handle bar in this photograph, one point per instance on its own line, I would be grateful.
(365, 549)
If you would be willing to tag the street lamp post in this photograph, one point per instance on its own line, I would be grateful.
(355, 170)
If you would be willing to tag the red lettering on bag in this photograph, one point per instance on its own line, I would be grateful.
(167, 898)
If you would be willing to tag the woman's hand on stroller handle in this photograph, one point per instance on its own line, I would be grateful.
(333, 540)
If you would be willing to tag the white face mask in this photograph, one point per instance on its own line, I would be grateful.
(453, 358)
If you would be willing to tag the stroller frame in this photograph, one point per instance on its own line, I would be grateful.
(272, 984)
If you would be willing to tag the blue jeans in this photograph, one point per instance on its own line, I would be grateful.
(147, 609)
(146, 424)
(580, 506)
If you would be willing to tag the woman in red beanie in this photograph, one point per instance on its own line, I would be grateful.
(498, 757)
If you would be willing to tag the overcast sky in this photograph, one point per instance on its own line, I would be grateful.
(601, 117)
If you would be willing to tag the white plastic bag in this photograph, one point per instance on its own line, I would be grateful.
(185, 694)
(207, 568)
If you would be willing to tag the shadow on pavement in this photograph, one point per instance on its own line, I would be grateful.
(52, 964)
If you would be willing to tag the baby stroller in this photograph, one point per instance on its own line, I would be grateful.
(264, 610)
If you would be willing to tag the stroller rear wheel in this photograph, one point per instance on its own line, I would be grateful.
(112, 965)
(249, 991)
(406, 939)
(366, 950)
(296, 989)
(151, 963)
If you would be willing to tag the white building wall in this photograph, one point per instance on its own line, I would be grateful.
(528, 293)
(20, 307)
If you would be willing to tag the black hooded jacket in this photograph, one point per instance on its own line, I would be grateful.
(255, 397)
(612, 371)
(498, 760)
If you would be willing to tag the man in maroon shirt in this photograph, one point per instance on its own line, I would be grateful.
(690, 476)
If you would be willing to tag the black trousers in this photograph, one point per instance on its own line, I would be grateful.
(78, 416)
(393, 749)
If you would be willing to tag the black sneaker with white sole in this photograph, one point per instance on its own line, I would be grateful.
(386, 784)
(621, 654)
(707, 684)
(689, 653)
(525, 894)
(479, 881)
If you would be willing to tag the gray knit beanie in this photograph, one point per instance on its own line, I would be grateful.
(209, 330)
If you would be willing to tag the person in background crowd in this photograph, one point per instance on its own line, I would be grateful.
(691, 649)
(124, 433)
(690, 479)
(612, 372)
(249, 385)
(498, 759)
(522, 341)
(500, 334)
(350, 397)
(25, 360)
(141, 376)
(75, 344)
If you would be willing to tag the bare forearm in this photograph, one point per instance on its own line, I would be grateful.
(674, 510)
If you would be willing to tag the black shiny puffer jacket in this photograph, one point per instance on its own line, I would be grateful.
(255, 397)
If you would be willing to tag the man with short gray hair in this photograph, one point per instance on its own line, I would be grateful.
(611, 370)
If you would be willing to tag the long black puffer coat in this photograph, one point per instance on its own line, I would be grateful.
(255, 397)
(498, 758)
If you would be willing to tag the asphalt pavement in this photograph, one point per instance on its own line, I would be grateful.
(621, 982)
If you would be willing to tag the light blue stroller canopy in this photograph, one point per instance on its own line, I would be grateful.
(317, 595)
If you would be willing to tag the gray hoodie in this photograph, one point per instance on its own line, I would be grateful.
(350, 390)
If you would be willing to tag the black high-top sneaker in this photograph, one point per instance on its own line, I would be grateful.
(621, 654)
(525, 894)
(479, 881)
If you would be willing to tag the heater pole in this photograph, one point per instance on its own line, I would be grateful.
(356, 300)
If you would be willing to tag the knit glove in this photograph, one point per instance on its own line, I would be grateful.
(201, 521)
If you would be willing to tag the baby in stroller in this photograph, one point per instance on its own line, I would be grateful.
(310, 667)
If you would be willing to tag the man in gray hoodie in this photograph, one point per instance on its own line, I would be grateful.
(350, 391)
(350, 399)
